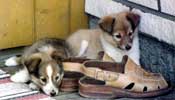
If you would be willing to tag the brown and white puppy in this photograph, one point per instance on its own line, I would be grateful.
(116, 35)
(41, 65)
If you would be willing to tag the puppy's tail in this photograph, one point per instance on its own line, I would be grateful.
(13, 61)
(83, 48)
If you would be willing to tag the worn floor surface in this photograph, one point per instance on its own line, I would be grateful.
(4, 54)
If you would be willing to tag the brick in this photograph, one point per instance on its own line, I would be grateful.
(101, 8)
(168, 6)
(156, 26)
(148, 3)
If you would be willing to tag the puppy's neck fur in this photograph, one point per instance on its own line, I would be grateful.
(115, 53)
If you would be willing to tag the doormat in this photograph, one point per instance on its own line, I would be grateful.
(18, 91)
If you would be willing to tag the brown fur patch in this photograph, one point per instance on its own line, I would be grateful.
(32, 65)
(134, 19)
(107, 24)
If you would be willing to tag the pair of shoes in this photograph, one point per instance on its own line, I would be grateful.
(99, 79)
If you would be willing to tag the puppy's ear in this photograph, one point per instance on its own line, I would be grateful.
(32, 64)
(107, 24)
(58, 56)
(134, 19)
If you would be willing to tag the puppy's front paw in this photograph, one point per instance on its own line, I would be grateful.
(13, 78)
(17, 79)
(21, 76)
(33, 86)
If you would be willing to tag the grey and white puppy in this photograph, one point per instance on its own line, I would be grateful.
(42, 65)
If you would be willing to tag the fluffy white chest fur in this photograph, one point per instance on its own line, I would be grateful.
(117, 54)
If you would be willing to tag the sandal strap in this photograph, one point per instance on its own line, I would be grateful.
(95, 73)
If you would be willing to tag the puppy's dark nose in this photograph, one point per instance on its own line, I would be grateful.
(53, 93)
(128, 47)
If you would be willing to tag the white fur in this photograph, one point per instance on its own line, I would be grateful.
(49, 87)
(33, 86)
(117, 54)
(83, 48)
(134, 53)
(113, 52)
(21, 76)
(12, 61)
(47, 49)
(44, 48)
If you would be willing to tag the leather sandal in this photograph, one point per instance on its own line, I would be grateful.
(124, 80)
(93, 88)
(70, 79)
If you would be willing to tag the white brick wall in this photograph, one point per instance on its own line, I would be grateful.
(100, 8)
(168, 6)
(153, 22)
(148, 3)
(157, 26)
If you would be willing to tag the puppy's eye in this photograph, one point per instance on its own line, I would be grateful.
(57, 78)
(43, 79)
(130, 33)
(118, 36)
